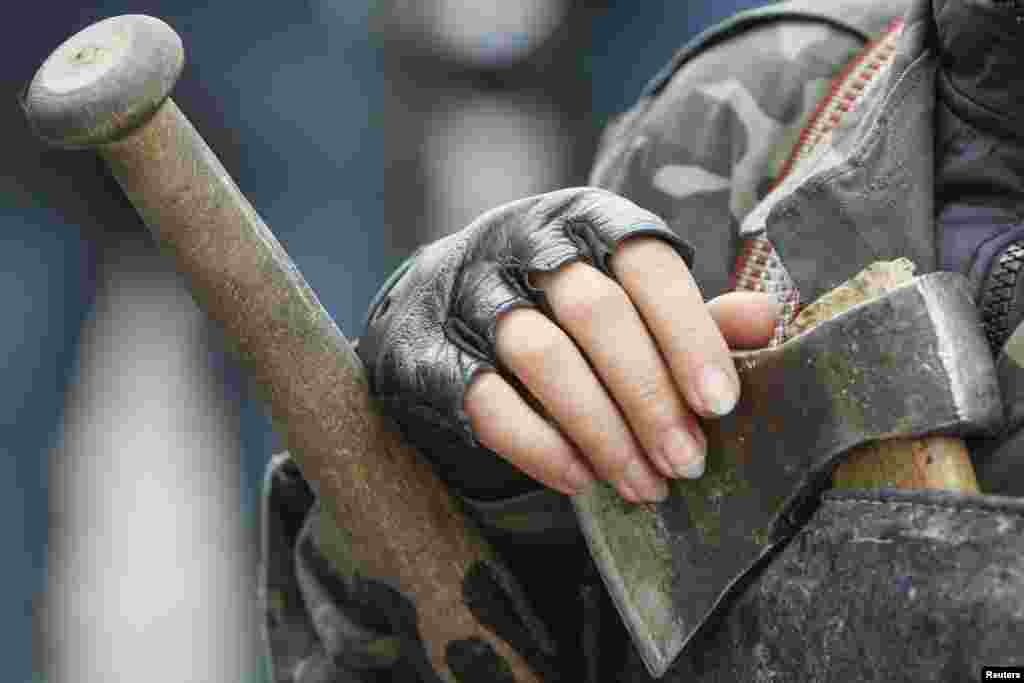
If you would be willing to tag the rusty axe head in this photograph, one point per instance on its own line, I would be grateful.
(911, 362)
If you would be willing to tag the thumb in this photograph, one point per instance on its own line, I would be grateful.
(746, 319)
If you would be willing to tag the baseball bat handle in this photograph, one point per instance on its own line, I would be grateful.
(398, 522)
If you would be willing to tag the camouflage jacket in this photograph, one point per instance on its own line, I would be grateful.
(791, 146)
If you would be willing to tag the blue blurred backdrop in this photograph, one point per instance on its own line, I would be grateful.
(327, 113)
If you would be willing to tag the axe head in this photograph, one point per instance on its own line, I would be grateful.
(912, 362)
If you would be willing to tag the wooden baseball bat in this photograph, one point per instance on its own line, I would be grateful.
(107, 88)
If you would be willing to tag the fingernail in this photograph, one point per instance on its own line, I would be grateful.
(695, 469)
(645, 485)
(718, 390)
(577, 479)
(684, 453)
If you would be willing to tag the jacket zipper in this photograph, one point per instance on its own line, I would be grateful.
(846, 90)
(758, 267)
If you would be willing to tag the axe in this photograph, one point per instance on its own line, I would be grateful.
(874, 388)
(107, 88)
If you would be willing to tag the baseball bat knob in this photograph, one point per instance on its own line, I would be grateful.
(104, 81)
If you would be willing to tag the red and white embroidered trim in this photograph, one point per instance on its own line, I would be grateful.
(758, 266)
(847, 89)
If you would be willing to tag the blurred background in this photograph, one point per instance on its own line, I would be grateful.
(131, 448)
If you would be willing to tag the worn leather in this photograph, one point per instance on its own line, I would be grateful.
(878, 586)
(431, 333)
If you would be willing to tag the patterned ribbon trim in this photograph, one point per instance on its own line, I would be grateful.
(758, 266)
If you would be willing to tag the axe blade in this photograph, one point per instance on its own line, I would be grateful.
(909, 363)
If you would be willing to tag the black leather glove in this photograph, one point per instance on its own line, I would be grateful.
(431, 329)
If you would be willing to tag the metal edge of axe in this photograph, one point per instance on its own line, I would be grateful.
(872, 411)
(108, 88)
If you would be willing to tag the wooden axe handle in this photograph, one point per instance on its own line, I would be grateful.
(107, 88)
(935, 462)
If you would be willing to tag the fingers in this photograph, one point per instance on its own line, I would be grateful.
(555, 372)
(746, 319)
(596, 312)
(663, 290)
(622, 370)
(533, 445)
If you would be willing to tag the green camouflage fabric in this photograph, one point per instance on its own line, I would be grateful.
(703, 148)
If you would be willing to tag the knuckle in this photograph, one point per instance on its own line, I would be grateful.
(599, 300)
(535, 351)
(655, 405)
(524, 341)
(643, 260)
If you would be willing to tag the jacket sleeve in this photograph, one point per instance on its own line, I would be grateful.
(318, 626)
(718, 127)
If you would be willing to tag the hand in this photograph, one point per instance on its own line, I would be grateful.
(621, 370)
(564, 333)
